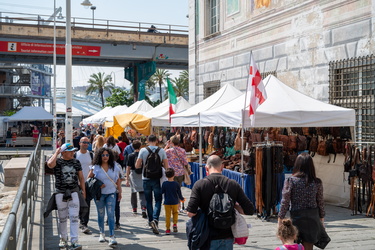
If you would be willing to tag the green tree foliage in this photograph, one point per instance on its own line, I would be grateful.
(9, 112)
(181, 87)
(98, 84)
(119, 97)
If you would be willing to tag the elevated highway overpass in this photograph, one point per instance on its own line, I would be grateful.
(27, 38)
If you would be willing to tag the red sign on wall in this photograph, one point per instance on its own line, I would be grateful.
(47, 48)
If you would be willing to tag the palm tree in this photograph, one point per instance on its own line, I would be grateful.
(181, 87)
(185, 75)
(99, 83)
(159, 77)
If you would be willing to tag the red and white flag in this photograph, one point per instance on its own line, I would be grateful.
(257, 90)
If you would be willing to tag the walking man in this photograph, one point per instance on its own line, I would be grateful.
(202, 193)
(152, 185)
(68, 174)
(85, 157)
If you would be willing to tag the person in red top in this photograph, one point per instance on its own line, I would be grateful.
(35, 135)
(122, 145)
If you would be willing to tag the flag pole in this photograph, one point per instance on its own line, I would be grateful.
(242, 127)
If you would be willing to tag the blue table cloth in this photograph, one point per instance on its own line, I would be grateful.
(249, 180)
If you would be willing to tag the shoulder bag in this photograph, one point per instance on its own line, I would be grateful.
(110, 178)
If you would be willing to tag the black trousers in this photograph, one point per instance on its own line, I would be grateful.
(85, 219)
(117, 211)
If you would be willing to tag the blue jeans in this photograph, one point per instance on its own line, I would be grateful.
(106, 202)
(149, 186)
(224, 244)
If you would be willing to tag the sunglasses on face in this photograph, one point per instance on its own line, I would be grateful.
(85, 142)
(105, 155)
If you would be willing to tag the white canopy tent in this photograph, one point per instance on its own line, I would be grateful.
(98, 117)
(139, 107)
(190, 117)
(108, 116)
(160, 114)
(284, 107)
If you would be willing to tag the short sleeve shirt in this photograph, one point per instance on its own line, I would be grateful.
(132, 158)
(143, 153)
(114, 173)
(86, 162)
(66, 173)
(177, 160)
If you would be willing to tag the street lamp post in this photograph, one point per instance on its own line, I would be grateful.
(93, 9)
(54, 136)
(68, 76)
(68, 72)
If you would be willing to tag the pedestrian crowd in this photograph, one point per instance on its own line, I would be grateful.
(94, 168)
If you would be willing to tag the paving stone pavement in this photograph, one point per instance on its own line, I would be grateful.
(346, 231)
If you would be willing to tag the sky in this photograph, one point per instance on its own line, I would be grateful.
(147, 11)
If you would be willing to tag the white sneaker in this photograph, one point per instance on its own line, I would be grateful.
(101, 238)
(63, 243)
(112, 242)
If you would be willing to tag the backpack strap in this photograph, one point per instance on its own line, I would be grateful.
(284, 248)
(149, 150)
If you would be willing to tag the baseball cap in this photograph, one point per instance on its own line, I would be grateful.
(67, 147)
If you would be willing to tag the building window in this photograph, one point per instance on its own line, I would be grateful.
(210, 88)
(265, 74)
(232, 7)
(213, 16)
(352, 85)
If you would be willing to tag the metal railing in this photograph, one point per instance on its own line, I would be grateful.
(16, 230)
(41, 20)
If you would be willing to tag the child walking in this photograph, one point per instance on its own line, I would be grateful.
(172, 197)
(288, 233)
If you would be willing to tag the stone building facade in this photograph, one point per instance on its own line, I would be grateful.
(296, 39)
(299, 41)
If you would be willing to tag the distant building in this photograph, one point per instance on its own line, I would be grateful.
(321, 48)
(24, 85)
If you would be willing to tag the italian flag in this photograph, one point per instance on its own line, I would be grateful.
(172, 99)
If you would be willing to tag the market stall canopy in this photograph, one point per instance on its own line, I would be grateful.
(121, 121)
(108, 116)
(284, 107)
(190, 117)
(96, 118)
(30, 114)
(159, 115)
(139, 107)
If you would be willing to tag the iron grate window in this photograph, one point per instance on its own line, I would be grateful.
(265, 74)
(352, 85)
(210, 88)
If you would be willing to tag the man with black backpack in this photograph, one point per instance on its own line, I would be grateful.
(217, 196)
(152, 158)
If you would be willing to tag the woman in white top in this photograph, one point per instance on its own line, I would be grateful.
(111, 144)
(105, 170)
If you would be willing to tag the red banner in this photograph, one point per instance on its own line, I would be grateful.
(47, 48)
